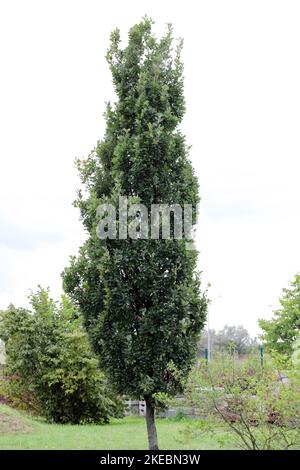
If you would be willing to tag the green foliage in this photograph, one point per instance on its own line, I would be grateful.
(140, 298)
(179, 416)
(258, 405)
(50, 368)
(296, 352)
(127, 433)
(280, 333)
(236, 337)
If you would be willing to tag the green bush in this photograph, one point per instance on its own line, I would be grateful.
(50, 367)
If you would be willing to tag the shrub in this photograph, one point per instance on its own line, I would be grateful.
(252, 402)
(50, 367)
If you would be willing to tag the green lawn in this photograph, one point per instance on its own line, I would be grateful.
(19, 431)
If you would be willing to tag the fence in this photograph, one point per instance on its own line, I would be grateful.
(138, 408)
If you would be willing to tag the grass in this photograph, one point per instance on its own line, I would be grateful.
(20, 431)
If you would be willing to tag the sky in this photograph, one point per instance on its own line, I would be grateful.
(242, 75)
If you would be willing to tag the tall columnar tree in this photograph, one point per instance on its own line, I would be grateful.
(140, 298)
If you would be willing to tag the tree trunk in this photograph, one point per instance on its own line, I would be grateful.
(150, 420)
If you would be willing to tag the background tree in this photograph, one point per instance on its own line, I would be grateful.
(140, 298)
(236, 337)
(50, 368)
(230, 337)
(280, 333)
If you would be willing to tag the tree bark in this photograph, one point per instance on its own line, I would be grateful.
(151, 427)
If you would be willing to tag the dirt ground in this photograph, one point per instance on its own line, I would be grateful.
(9, 424)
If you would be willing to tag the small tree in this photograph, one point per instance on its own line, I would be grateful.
(140, 297)
(50, 367)
(280, 333)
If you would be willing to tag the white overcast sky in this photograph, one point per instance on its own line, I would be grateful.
(242, 89)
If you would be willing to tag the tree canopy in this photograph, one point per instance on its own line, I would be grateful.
(141, 299)
(280, 333)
